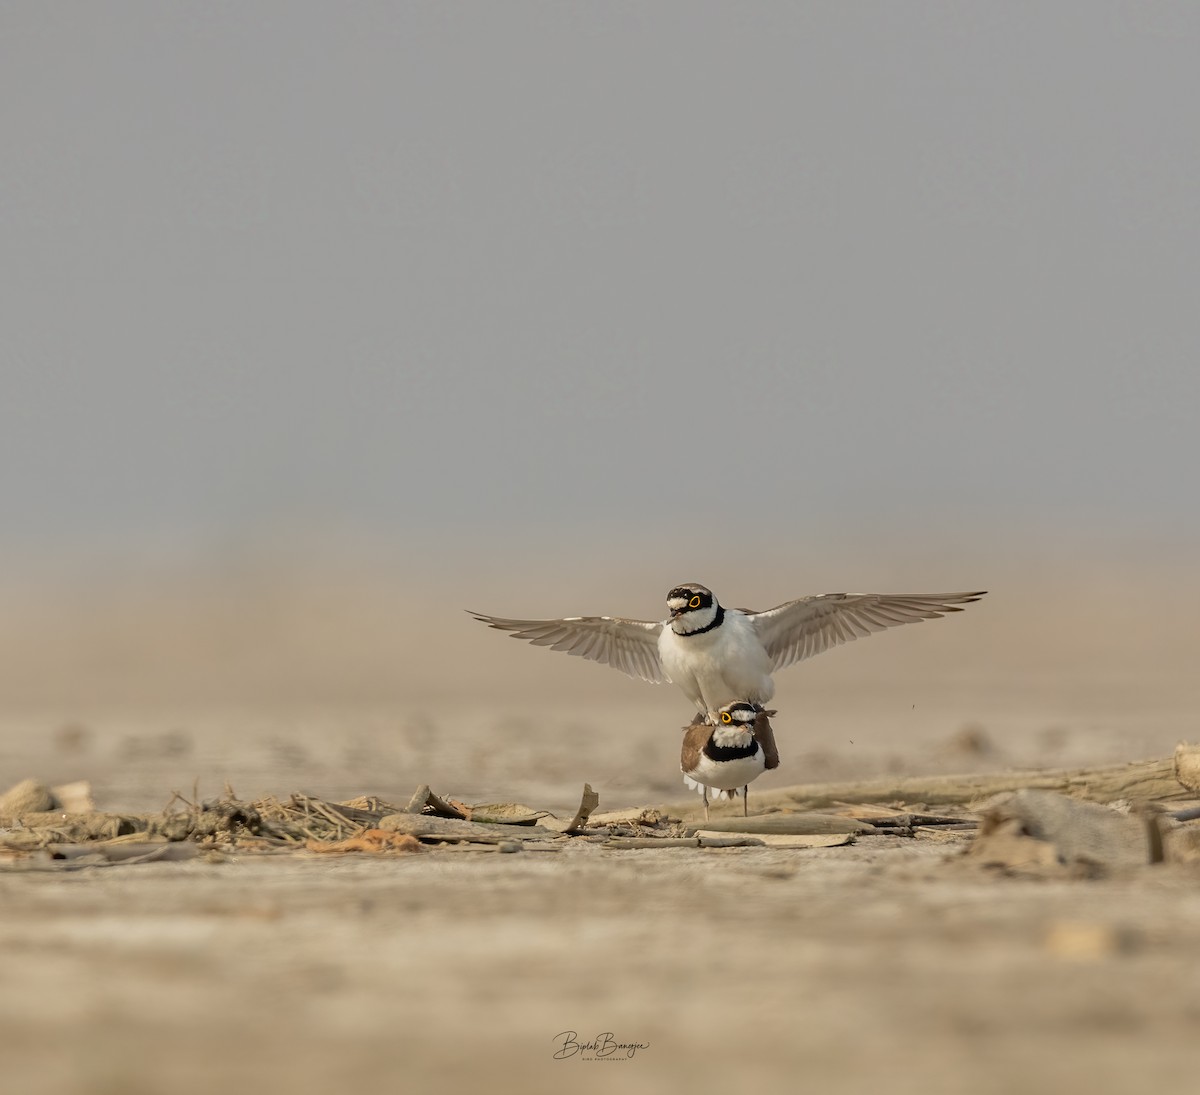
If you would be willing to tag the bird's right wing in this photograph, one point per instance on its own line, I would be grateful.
(628, 645)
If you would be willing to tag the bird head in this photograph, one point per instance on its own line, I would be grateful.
(735, 722)
(690, 597)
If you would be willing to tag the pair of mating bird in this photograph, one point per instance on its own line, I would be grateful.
(723, 659)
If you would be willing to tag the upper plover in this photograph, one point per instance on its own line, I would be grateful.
(718, 655)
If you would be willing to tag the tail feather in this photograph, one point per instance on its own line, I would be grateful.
(714, 794)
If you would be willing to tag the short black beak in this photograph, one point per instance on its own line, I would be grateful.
(676, 613)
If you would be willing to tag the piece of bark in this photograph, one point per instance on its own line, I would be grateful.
(445, 807)
(506, 813)
(783, 824)
(417, 803)
(587, 803)
(423, 797)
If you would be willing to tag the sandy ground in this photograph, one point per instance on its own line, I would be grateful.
(884, 966)
(887, 965)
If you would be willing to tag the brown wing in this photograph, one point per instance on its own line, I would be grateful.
(695, 737)
(765, 736)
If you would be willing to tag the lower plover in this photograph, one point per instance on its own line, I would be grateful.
(729, 754)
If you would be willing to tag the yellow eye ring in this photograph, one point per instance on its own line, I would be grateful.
(726, 717)
(694, 602)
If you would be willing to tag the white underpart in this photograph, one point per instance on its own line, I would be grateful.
(725, 775)
(719, 667)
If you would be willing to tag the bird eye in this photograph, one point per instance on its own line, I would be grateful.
(694, 602)
(726, 717)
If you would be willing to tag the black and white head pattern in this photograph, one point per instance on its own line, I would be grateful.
(693, 608)
(734, 729)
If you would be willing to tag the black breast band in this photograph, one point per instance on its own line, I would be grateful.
(729, 752)
(717, 620)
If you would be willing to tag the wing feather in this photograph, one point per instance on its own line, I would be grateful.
(628, 645)
(809, 626)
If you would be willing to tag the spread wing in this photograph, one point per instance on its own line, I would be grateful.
(628, 645)
(811, 625)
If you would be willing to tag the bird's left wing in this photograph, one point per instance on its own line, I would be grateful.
(803, 628)
(764, 734)
(628, 645)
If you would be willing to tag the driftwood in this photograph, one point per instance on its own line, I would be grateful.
(1176, 777)
(783, 825)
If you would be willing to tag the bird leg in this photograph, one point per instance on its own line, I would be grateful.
(704, 792)
(746, 801)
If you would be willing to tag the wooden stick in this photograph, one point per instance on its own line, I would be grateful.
(784, 824)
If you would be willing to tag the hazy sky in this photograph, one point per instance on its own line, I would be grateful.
(488, 265)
